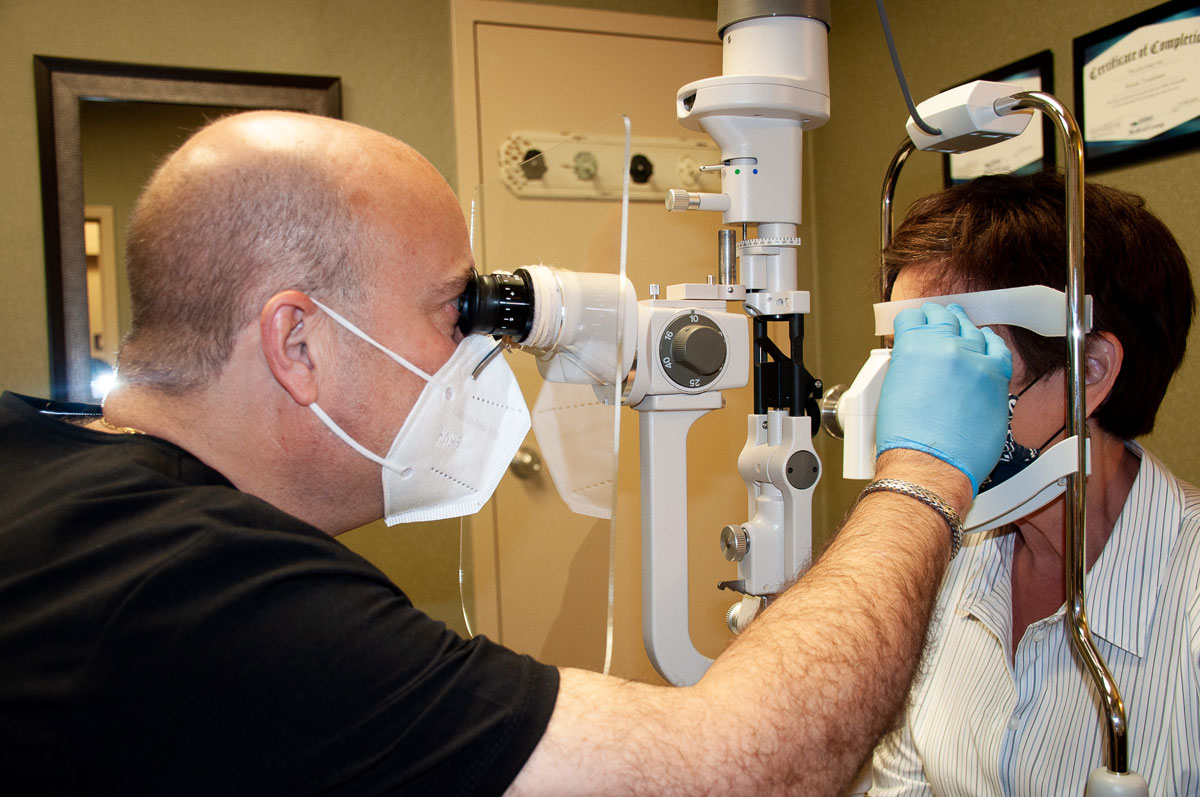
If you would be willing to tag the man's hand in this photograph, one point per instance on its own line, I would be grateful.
(946, 390)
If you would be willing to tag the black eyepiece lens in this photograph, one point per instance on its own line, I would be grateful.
(497, 304)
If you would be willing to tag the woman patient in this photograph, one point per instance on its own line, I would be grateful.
(1002, 705)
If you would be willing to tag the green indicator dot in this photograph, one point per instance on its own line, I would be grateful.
(737, 171)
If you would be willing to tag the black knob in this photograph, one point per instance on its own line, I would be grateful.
(533, 165)
(640, 169)
(700, 348)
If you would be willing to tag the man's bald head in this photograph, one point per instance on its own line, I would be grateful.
(251, 205)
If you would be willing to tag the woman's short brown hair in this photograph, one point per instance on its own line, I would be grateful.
(1004, 231)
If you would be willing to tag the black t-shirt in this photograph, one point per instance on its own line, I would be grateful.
(163, 633)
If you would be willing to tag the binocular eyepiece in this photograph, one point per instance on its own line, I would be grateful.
(497, 304)
(571, 320)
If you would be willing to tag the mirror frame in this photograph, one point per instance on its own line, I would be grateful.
(60, 85)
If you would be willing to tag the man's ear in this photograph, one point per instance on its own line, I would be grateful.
(1104, 355)
(286, 344)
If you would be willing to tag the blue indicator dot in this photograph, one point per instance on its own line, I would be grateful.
(756, 171)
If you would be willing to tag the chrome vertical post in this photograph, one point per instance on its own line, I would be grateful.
(1075, 534)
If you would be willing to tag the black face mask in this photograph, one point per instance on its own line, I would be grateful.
(1015, 457)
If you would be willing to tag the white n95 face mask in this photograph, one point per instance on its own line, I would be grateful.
(458, 439)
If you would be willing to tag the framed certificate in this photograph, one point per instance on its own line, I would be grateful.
(1029, 152)
(1137, 86)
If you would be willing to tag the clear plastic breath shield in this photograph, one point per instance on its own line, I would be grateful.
(549, 234)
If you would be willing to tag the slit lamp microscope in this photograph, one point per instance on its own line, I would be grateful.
(676, 354)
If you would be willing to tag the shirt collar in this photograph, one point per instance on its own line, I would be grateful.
(987, 590)
(1122, 587)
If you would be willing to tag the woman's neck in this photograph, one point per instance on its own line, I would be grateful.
(1038, 555)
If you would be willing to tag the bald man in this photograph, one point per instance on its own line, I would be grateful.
(176, 617)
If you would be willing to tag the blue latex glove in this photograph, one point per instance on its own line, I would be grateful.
(946, 390)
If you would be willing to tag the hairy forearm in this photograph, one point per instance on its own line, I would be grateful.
(798, 701)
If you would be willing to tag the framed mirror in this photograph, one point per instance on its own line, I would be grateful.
(80, 103)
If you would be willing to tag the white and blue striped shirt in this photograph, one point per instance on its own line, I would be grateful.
(978, 725)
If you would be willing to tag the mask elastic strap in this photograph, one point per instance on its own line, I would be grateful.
(350, 441)
(344, 322)
(1031, 384)
(1061, 429)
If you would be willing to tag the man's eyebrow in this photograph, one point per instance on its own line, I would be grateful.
(454, 284)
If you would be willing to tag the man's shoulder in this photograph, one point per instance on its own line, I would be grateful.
(49, 457)
(75, 495)
(26, 420)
